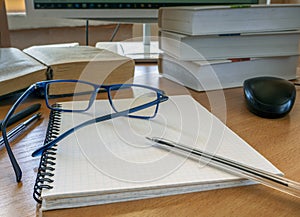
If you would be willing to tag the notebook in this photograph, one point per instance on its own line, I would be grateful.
(112, 161)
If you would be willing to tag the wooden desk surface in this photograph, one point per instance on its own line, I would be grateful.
(278, 140)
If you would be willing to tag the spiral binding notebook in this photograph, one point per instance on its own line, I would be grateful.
(112, 161)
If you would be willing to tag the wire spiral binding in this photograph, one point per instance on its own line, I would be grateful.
(47, 162)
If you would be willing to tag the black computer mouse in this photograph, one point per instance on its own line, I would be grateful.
(269, 97)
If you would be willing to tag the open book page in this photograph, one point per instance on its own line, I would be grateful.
(15, 63)
(18, 70)
(113, 158)
(50, 55)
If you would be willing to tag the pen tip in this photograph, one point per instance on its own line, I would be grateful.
(39, 115)
(148, 138)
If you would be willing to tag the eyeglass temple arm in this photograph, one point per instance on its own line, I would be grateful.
(40, 150)
(13, 160)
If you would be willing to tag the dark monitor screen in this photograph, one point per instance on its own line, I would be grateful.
(137, 10)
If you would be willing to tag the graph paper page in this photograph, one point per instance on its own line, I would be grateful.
(114, 158)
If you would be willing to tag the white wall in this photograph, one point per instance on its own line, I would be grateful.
(18, 21)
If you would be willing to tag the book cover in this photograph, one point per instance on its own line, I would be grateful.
(84, 63)
(246, 45)
(208, 20)
(219, 74)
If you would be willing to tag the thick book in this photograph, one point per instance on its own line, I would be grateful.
(205, 20)
(18, 70)
(84, 63)
(211, 47)
(221, 74)
(112, 161)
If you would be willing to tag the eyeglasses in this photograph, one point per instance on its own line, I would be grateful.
(130, 100)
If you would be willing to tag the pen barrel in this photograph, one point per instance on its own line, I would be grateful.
(22, 114)
(12, 133)
(30, 120)
(276, 182)
(269, 179)
(19, 128)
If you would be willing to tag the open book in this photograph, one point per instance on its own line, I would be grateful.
(19, 69)
(112, 161)
(84, 63)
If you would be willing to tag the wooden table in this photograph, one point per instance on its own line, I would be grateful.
(277, 139)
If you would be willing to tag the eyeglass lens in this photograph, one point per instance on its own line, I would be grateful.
(122, 98)
(81, 93)
(127, 98)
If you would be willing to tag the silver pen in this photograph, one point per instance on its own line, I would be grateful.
(271, 180)
(19, 128)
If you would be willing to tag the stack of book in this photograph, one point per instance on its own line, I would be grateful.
(216, 47)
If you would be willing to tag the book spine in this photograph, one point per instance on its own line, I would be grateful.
(160, 14)
(47, 162)
(49, 73)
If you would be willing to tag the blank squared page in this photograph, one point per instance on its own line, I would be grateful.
(112, 157)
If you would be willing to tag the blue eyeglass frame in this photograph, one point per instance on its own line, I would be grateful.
(161, 97)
